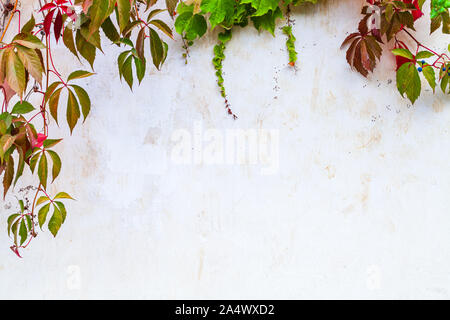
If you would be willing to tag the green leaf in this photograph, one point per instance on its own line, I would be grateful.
(20, 166)
(31, 62)
(8, 176)
(43, 170)
(86, 49)
(127, 71)
(430, 75)
(268, 20)
(63, 195)
(53, 104)
(262, 6)
(403, 53)
(73, 111)
(79, 74)
(84, 99)
(23, 232)
(28, 27)
(110, 30)
(222, 10)
(30, 41)
(55, 221)
(171, 5)
(161, 25)
(41, 200)
(42, 214)
(123, 9)
(424, 55)
(69, 42)
(408, 81)
(62, 209)
(11, 219)
(49, 143)
(15, 72)
(140, 69)
(99, 11)
(156, 48)
(56, 169)
(6, 141)
(23, 107)
(33, 161)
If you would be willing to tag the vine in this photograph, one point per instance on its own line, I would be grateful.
(28, 68)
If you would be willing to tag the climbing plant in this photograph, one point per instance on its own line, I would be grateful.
(29, 68)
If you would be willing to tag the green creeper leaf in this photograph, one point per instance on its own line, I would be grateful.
(51, 88)
(23, 232)
(42, 214)
(193, 25)
(69, 42)
(11, 219)
(55, 221)
(79, 74)
(92, 38)
(127, 71)
(8, 176)
(262, 6)
(140, 69)
(84, 99)
(73, 111)
(56, 169)
(110, 30)
(20, 166)
(123, 9)
(444, 82)
(28, 27)
(99, 11)
(430, 75)
(6, 141)
(221, 10)
(63, 195)
(408, 81)
(31, 62)
(43, 170)
(121, 60)
(29, 222)
(23, 107)
(267, 21)
(53, 104)
(62, 209)
(403, 53)
(424, 55)
(14, 228)
(33, 162)
(49, 143)
(86, 49)
(15, 72)
(156, 49)
(41, 200)
(29, 41)
(171, 5)
(161, 25)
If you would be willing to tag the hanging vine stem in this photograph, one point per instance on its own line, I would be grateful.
(219, 56)
(290, 42)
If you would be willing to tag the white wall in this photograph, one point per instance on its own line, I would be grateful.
(357, 209)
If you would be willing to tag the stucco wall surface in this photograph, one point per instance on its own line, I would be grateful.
(356, 204)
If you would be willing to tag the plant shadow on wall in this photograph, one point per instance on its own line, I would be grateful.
(28, 68)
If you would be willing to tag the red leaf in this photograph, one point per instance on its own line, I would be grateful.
(16, 251)
(58, 25)
(47, 6)
(48, 21)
